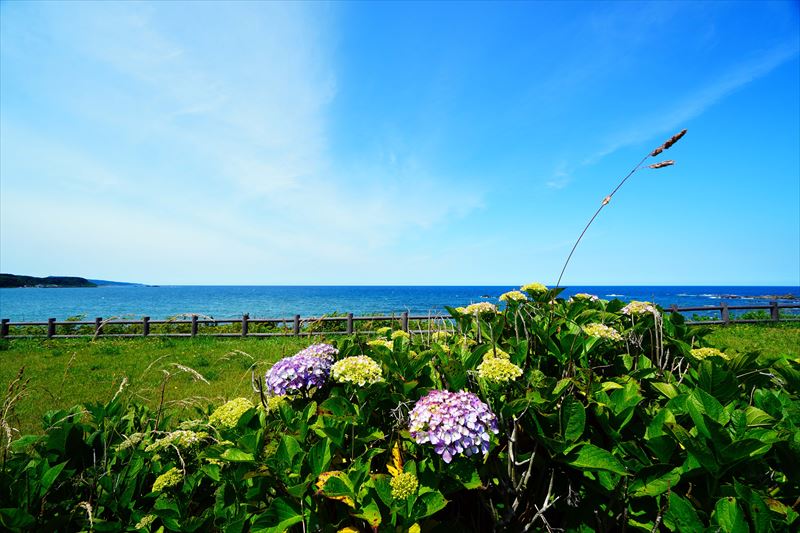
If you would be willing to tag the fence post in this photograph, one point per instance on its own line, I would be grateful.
(349, 323)
(4, 327)
(296, 328)
(98, 326)
(51, 327)
(194, 325)
(673, 308)
(404, 321)
(145, 326)
(773, 310)
(245, 324)
(726, 317)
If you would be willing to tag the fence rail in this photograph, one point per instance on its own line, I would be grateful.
(294, 326)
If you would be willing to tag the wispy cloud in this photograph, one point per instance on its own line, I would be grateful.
(560, 177)
(692, 105)
(233, 131)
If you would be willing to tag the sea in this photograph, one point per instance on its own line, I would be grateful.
(162, 302)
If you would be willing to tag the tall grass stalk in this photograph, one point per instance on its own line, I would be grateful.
(668, 144)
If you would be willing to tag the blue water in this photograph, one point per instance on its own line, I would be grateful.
(36, 304)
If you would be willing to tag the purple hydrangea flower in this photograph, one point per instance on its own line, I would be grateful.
(454, 422)
(296, 373)
(326, 351)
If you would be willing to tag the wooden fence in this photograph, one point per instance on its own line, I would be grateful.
(298, 326)
(724, 310)
(295, 326)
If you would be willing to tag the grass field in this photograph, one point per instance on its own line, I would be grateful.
(781, 339)
(65, 372)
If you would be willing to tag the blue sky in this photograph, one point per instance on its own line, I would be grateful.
(399, 143)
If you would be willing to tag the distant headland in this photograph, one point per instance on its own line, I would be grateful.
(9, 281)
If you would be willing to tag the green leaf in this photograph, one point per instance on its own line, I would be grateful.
(717, 381)
(707, 404)
(757, 417)
(280, 516)
(466, 474)
(371, 513)
(428, 504)
(654, 480)
(383, 487)
(337, 406)
(211, 470)
(667, 389)
(695, 446)
(759, 512)
(236, 455)
(729, 516)
(23, 442)
(681, 516)
(338, 485)
(742, 449)
(560, 386)
(49, 477)
(590, 457)
(319, 457)
(287, 449)
(16, 519)
(625, 398)
(573, 419)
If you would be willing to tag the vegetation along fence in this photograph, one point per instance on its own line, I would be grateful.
(347, 324)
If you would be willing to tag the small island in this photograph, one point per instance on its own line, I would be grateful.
(8, 281)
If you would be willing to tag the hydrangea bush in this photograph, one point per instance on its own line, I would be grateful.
(298, 373)
(532, 417)
(453, 422)
(358, 369)
(601, 331)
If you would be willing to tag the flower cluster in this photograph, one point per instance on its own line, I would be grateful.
(228, 415)
(274, 403)
(383, 330)
(145, 521)
(584, 296)
(480, 308)
(168, 479)
(400, 333)
(534, 288)
(498, 369)
(497, 353)
(325, 351)
(601, 331)
(381, 342)
(640, 308)
(359, 369)
(299, 372)
(180, 438)
(403, 485)
(131, 441)
(512, 296)
(441, 336)
(702, 353)
(454, 422)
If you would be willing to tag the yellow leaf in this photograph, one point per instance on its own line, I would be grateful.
(397, 460)
(323, 477)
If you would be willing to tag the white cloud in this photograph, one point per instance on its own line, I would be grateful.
(222, 143)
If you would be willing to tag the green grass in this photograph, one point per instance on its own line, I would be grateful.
(768, 339)
(66, 372)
